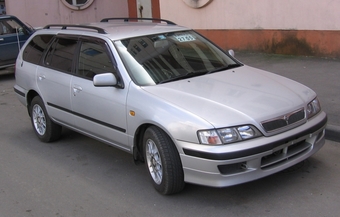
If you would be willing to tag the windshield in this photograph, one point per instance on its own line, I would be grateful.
(167, 57)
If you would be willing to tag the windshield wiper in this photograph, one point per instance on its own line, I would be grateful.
(194, 74)
(230, 66)
(184, 76)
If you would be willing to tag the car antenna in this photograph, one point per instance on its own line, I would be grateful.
(16, 30)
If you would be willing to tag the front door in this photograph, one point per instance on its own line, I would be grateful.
(99, 111)
(54, 77)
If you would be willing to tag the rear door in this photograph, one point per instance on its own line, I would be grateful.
(54, 78)
(13, 35)
(99, 111)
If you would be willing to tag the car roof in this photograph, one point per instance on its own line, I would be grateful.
(117, 29)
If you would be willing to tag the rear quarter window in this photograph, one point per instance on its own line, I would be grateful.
(35, 48)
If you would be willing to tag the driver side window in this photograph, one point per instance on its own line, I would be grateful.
(10, 27)
(4, 28)
(94, 58)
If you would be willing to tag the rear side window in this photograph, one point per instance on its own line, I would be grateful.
(60, 54)
(36, 47)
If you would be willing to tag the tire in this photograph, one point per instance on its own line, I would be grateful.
(162, 162)
(45, 129)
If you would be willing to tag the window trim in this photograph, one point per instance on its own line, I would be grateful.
(78, 7)
(50, 46)
(91, 39)
(31, 45)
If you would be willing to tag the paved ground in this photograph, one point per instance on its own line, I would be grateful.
(9, 70)
(320, 74)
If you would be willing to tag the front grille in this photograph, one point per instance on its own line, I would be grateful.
(283, 121)
(285, 154)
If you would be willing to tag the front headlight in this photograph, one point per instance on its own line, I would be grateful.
(313, 108)
(228, 135)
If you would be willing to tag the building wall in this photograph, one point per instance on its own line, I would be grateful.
(41, 12)
(2, 8)
(296, 27)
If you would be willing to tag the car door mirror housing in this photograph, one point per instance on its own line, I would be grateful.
(231, 53)
(105, 79)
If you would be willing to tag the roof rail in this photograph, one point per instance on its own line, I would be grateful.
(127, 19)
(65, 26)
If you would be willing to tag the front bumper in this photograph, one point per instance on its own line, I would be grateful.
(221, 166)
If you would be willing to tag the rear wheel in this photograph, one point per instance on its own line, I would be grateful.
(162, 161)
(44, 127)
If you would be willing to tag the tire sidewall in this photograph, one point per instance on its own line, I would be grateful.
(38, 101)
(150, 134)
(172, 169)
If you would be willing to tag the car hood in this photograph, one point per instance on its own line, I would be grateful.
(243, 95)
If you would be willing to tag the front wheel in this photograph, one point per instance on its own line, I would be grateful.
(44, 127)
(162, 161)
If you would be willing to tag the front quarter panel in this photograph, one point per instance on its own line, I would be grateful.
(149, 109)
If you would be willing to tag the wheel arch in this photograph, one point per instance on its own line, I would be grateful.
(138, 140)
(29, 97)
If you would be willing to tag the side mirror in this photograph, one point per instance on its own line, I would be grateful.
(21, 30)
(104, 80)
(231, 53)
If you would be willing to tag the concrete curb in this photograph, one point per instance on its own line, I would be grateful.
(333, 132)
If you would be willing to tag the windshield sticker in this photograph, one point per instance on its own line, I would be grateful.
(184, 37)
(161, 37)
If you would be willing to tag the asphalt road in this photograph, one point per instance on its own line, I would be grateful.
(78, 176)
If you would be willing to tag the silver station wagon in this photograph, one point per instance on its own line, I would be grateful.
(162, 92)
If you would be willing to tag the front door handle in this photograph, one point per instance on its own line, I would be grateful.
(76, 89)
(41, 77)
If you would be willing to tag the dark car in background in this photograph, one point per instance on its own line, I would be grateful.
(13, 34)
